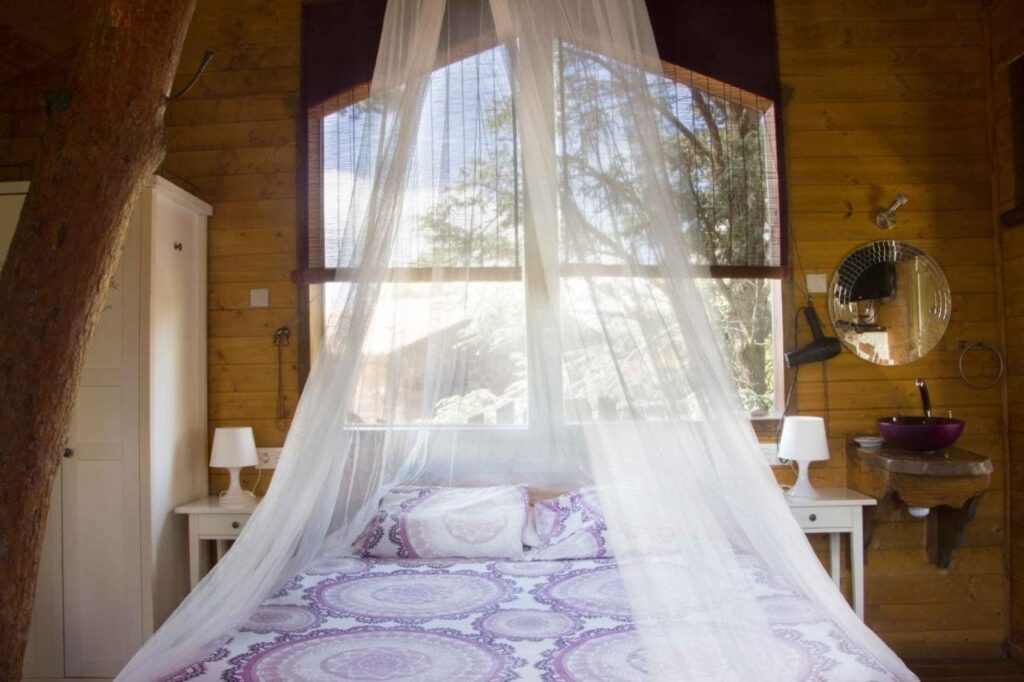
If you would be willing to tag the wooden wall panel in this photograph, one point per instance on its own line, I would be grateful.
(1004, 21)
(23, 117)
(232, 141)
(882, 97)
(886, 98)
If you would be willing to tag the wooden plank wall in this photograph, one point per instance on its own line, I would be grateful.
(882, 98)
(22, 118)
(231, 140)
(1005, 23)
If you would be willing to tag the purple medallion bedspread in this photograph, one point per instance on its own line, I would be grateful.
(348, 618)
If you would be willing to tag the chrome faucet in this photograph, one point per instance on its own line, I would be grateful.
(926, 403)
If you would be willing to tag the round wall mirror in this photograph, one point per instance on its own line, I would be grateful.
(889, 302)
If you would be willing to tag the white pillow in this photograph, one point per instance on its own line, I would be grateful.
(570, 526)
(429, 523)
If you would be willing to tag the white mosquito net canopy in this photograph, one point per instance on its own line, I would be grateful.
(519, 300)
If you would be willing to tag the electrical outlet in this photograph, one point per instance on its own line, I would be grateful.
(267, 457)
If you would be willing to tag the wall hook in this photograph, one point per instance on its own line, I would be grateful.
(282, 338)
(203, 63)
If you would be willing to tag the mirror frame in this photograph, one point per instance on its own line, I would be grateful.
(865, 256)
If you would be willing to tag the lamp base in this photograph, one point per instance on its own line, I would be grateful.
(803, 489)
(234, 497)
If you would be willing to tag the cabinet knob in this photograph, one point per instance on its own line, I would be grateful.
(68, 453)
(813, 517)
(236, 525)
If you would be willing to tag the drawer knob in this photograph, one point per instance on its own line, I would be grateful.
(813, 517)
(235, 525)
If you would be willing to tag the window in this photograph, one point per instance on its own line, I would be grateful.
(720, 146)
(1014, 217)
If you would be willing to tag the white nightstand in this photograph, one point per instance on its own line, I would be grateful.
(838, 511)
(208, 521)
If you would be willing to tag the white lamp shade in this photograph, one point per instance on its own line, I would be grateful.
(803, 439)
(233, 447)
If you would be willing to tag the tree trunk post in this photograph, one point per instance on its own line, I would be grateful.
(104, 140)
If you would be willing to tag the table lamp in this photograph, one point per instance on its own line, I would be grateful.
(803, 441)
(234, 448)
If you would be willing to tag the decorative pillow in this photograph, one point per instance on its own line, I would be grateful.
(429, 523)
(570, 527)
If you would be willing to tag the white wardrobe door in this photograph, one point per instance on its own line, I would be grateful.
(177, 384)
(102, 586)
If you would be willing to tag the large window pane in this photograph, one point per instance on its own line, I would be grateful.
(443, 352)
(749, 313)
(460, 234)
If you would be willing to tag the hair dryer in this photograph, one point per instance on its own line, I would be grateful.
(820, 349)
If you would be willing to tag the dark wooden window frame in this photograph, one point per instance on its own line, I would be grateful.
(1014, 217)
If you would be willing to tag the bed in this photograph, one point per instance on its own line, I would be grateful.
(355, 618)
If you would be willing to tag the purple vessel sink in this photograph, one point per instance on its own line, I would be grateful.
(921, 434)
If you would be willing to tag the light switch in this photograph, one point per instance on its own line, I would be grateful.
(817, 283)
(259, 298)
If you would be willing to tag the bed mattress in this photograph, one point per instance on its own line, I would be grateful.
(348, 618)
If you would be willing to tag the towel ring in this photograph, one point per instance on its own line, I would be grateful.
(981, 344)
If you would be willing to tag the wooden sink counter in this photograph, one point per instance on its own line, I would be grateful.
(949, 482)
(948, 462)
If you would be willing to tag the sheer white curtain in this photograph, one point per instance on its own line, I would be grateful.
(518, 301)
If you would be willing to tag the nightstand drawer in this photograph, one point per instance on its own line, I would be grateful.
(810, 518)
(220, 525)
